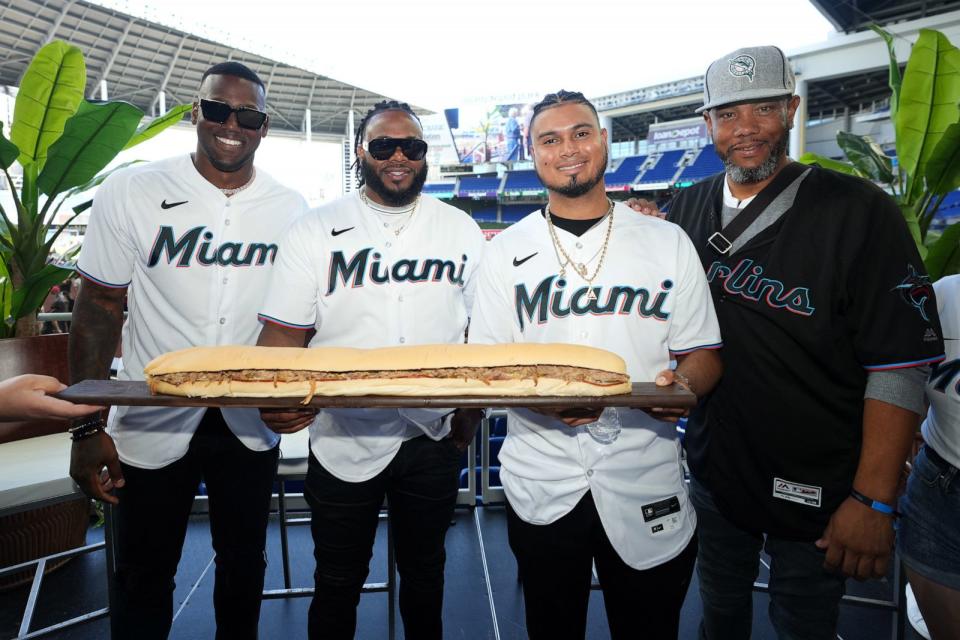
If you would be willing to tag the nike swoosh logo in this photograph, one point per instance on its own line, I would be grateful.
(336, 232)
(171, 205)
(518, 262)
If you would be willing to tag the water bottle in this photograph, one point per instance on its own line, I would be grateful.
(606, 429)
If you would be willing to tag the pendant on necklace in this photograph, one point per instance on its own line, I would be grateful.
(582, 269)
(591, 296)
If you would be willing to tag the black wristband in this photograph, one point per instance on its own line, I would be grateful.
(87, 428)
(876, 505)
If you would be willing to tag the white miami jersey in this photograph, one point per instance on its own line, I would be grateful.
(360, 283)
(651, 302)
(196, 265)
(941, 429)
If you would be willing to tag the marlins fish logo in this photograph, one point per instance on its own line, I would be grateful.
(743, 66)
(916, 290)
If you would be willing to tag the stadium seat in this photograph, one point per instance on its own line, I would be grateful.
(519, 181)
(496, 442)
(665, 168)
(478, 187)
(706, 165)
(515, 212)
(498, 425)
(625, 174)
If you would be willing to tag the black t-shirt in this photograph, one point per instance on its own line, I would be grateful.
(832, 290)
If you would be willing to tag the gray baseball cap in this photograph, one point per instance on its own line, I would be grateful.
(751, 73)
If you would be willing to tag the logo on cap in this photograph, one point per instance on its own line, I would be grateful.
(743, 65)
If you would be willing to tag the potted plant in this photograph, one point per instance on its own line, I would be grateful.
(925, 111)
(62, 143)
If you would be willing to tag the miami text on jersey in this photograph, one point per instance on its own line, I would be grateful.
(746, 281)
(549, 297)
(360, 266)
(228, 254)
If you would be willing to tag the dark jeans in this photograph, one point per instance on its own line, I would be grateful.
(804, 599)
(152, 522)
(420, 485)
(555, 563)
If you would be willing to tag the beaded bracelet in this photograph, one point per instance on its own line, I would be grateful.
(86, 428)
(876, 505)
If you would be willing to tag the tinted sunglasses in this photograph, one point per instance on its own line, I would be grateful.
(384, 148)
(219, 112)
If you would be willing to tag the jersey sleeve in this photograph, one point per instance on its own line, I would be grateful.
(109, 251)
(291, 298)
(693, 320)
(493, 319)
(892, 309)
(473, 272)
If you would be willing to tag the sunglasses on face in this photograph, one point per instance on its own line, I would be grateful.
(219, 112)
(384, 148)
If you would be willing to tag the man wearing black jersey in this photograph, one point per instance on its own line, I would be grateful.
(826, 315)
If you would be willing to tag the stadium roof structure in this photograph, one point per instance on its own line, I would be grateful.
(141, 60)
(850, 16)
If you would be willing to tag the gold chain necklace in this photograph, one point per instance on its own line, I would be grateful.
(371, 205)
(581, 268)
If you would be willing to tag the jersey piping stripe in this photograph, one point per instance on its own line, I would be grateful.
(683, 352)
(102, 283)
(265, 318)
(905, 365)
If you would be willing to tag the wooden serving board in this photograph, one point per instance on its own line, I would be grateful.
(129, 393)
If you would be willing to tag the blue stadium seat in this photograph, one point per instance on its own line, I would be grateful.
(706, 165)
(625, 174)
(440, 190)
(494, 478)
(665, 168)
(485, 213)
(522, 181)
(515, 212)
(498, 426)
(480, 186)
(496, 442)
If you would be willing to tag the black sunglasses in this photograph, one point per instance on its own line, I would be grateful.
(384, 148)
(219, 112)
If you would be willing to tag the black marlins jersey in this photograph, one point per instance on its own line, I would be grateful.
(807, 308)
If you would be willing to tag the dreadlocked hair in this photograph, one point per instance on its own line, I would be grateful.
(380, 107)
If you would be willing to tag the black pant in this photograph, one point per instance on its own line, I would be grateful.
(555, 563)
(420, 484)
(152, 523)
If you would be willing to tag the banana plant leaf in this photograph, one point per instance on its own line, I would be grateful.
(928, 103)
(829, 163)
(50, 92)
(91, 139)
(157, 125)
(912, 218)
(6, 300)
(8, 151)
(866, 156)
(943, 256)
(943, 168)
(894, 79)
(27, 298)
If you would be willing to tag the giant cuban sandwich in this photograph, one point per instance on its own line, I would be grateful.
(426, 370)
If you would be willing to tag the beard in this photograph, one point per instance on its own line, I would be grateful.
(391, 197)
(752, 175)
(576, 188)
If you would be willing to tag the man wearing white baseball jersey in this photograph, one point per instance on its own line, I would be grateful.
(189, 242)
(586, 271)
(385, 266)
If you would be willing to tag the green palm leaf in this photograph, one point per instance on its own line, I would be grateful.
(91, 139)
(50, 92)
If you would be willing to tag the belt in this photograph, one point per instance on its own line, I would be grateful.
(937, 459)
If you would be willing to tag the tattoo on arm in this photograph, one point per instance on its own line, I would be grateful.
(95, 331)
